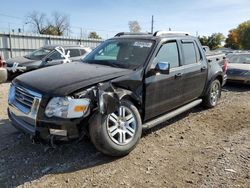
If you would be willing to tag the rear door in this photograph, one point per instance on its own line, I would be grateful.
(195, 67)
(164, 91)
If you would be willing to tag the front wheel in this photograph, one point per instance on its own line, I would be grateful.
(213, 95)
(118, 133)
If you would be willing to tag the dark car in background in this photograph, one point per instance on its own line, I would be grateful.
(44, 57)
(239, 68)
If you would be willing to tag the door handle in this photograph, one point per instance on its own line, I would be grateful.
(203, 68)
(178, 75)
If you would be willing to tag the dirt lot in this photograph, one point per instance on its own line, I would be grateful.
(201, 148)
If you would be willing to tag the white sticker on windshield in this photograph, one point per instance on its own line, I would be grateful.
(143, 44)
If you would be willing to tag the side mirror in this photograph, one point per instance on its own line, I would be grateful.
(162, 67)
(48, 59)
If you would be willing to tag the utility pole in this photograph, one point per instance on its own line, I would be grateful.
(81, 33)
(152, 24)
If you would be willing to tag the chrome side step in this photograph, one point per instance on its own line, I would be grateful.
(170, 115)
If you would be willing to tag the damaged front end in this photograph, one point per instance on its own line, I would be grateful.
(108, 99)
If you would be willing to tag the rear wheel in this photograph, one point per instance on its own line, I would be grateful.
(211, 99)
(118, 133)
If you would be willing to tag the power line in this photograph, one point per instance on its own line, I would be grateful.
(15, 17)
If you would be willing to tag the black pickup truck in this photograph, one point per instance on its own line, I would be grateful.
(128, 83)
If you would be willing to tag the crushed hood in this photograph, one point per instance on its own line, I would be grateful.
(64, 79)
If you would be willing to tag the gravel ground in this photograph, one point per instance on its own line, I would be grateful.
(200, 148)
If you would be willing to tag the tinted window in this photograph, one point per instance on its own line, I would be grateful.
(168, 53)
(74, 52)
(241, 58)
(39, 54)
(189, 53)
(56, 55)
(198, 53)
(82, 52)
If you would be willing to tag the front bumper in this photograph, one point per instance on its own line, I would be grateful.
(44, 129)
(33, 121)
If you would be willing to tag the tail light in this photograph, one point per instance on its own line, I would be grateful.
(225, 66)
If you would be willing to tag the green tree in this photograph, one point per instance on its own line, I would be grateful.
(94, 35)
(244, 35)
(214, 41)
(239, 38)
(232, 40)
(203, 40)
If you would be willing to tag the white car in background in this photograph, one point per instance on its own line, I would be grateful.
(3, 71)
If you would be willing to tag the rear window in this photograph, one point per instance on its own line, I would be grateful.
(239, 58)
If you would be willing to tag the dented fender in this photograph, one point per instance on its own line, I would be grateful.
(109, 97)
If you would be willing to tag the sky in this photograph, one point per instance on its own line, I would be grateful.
(108, 17)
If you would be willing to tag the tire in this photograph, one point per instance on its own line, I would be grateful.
(213, 95)
(118, 133)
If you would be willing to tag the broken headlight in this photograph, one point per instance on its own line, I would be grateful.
(67, 107)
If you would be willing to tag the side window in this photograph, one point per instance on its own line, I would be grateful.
(198, 53)
(74, 52)
(55, 56)
(82, 52)
(245, 59)
(168, 53)
(189, 53)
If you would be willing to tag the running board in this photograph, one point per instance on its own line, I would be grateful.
(170, 115)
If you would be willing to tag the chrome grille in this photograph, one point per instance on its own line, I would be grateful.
(24, 98)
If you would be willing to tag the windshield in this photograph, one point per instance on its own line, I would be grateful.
(240, 58)
(129, 53)
(39, 54)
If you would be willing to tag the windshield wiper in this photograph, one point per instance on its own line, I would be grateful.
(102, 62)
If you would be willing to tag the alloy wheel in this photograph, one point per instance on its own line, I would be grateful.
(121, 126)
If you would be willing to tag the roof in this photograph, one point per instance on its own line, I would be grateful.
(239, 53)
(150, 36)
(62, 45)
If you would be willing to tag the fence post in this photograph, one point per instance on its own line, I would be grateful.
(49, 40)
(11, 54)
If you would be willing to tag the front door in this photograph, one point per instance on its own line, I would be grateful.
(164, 91)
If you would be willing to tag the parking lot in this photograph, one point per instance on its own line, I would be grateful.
(200, 148)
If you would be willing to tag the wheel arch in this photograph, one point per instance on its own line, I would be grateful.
(217, 76)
